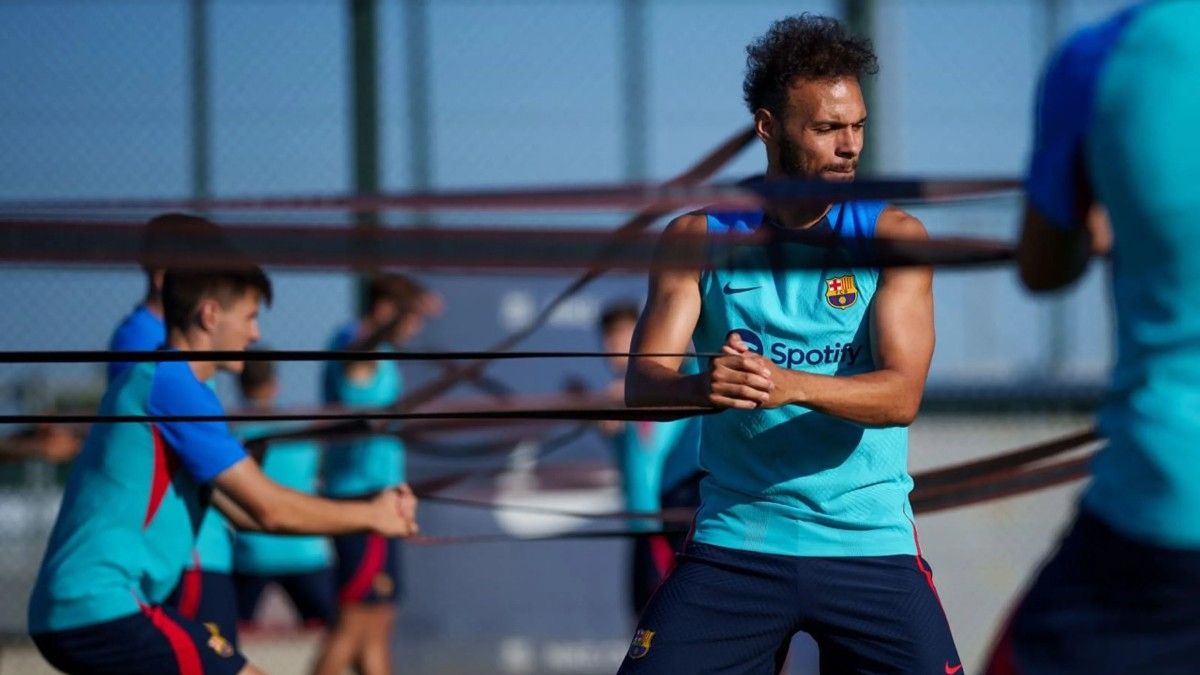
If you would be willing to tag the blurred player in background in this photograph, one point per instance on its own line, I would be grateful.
(368, 568)
(1122, 592)
(658, 461)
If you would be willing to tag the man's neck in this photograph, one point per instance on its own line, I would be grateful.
(193, 342)
(798, 218)
(154, 304)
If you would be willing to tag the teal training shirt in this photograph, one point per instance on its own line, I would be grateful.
(792, 481)
(1109, 89)
(295, 465)
(214, 543)
(366, 465)
(640, 450)
(654, 457)
(133, 502)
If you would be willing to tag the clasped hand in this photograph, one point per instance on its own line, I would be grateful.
(740, 378)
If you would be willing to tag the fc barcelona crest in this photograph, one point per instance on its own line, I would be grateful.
(641, 643)
(840, 292)
(216, 642)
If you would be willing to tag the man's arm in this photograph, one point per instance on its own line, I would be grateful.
(1062, 224)
(902, 333)
(253, 501)
(1048, 256)
(666, 326)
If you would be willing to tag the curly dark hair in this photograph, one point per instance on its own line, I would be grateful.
(805, 46)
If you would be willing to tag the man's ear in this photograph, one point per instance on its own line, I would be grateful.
(207, 314)
(766, 125)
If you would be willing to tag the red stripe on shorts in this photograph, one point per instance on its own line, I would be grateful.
(664, 557)
(928, 573)
(187, 657)
(190, 589)
(372, 563)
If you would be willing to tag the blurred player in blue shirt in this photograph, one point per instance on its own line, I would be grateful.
(1117, 116)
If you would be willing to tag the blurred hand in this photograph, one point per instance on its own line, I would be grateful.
(1100, 228)
(408, 503)
(56, 443)
(396, 512)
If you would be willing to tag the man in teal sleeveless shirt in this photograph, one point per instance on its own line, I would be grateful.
(1116, 126)
(804, 522)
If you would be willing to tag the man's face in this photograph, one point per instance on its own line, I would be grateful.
(410, 324)
(409, 318)
(617, 339)
(236, 327)
(820, 132)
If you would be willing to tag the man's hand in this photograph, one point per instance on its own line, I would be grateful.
(396, 511)
(57, 444)
(740, 378)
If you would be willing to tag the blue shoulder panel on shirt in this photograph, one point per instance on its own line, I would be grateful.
(205, 448)
(857, 219)
(140, 331)
(1065, 101)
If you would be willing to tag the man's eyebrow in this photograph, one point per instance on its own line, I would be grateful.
(835, 123)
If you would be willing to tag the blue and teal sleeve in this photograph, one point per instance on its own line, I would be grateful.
(1063, 117)
(205, 448)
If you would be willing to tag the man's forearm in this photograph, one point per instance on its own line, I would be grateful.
(299, 513)
(882, 398)
(653, 384)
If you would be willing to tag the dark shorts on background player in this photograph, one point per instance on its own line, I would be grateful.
(207, 597)
(314, 594)
(651, 560)
(685, 494)
(1103, 604)
(735, 612)
(368, 569)
(158, 641)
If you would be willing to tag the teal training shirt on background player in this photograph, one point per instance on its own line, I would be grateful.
(789, 480)
(654, 457)
(296, 465)
(1137, 71)
(362, 466)
(1117, 115)
(1147, 481)
(301, 565)
(368, 566)
(214, 543)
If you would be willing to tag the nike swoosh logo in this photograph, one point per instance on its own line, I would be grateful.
(952, 671)
(730, 290)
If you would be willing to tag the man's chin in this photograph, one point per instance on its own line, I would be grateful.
(838, 176)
